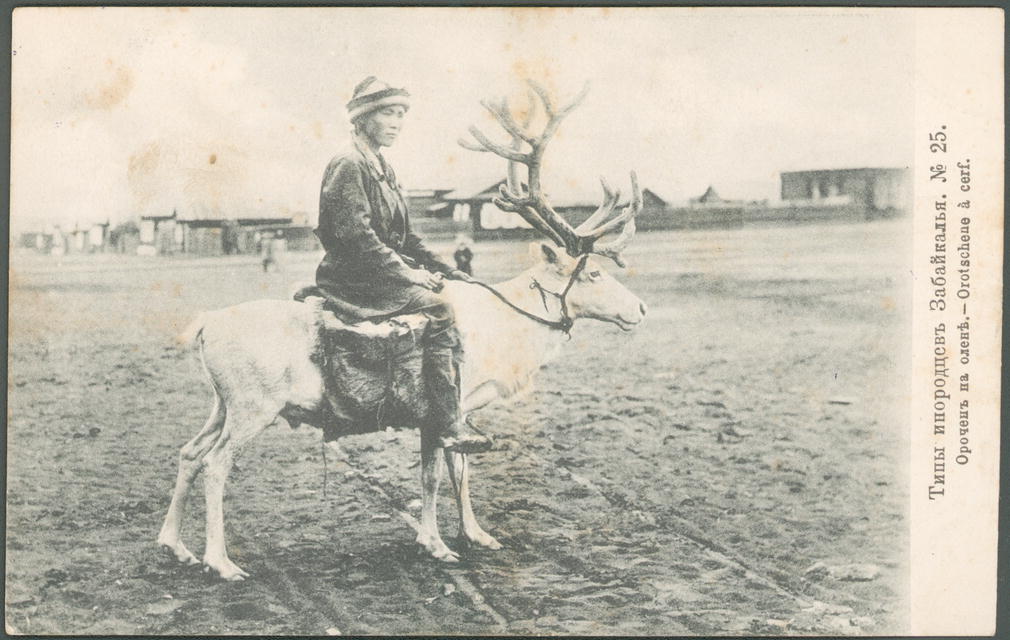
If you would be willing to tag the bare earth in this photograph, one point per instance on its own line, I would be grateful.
(681, 479)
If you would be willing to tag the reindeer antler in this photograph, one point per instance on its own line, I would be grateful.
(530, 202)
(626, 219)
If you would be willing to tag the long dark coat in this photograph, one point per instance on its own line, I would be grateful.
(365, 228)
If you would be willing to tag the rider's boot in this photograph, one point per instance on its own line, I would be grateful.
(443, 393)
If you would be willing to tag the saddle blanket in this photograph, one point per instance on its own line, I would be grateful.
(372, 372)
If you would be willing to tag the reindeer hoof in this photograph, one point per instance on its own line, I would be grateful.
(179, 552)
(490, 543)
(481, 539)
(448, 556)
(442, 554)
(228, 571)
(437, 550)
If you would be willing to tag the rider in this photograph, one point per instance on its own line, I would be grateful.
(376, 267)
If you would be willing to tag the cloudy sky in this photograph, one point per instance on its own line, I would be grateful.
(118, 111)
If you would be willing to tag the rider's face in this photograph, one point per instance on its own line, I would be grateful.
(383, 125)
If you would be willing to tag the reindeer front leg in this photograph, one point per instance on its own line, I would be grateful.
(469, 530)
(431, 474)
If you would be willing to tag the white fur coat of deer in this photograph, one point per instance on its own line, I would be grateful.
(257, 355)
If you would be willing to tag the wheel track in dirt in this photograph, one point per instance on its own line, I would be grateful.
(477, 597)
(484, 603)
(711, 548)
(328, 608)
(326, 611)
(683, 528)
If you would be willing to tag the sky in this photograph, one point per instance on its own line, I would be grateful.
(119, 112)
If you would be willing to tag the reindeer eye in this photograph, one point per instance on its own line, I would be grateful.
(594, 275)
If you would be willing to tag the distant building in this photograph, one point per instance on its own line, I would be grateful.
(836, 195)
(39, 241)
(877, 190)
(431, 215)
(207, 231)
(88, 238)
(158, 235)
(125, 237)
(472, 205)
(98, 237)
(707, 210)
(428, 203)
(711, 198)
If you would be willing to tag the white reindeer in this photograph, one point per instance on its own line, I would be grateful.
(257, 355)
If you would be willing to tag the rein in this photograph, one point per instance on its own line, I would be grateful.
(566, 321)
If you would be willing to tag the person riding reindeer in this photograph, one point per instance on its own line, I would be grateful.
(376, 267)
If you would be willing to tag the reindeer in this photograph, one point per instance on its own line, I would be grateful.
(257, 354)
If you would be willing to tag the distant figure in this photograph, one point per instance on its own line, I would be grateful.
(229, 237)
(268, 252)
(463, 255)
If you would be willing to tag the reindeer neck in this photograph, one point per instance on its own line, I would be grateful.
(522, 292)
(503, 346)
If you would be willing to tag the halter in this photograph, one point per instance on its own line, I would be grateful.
(566, 321)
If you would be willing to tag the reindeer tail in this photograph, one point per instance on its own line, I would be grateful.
(190, 335)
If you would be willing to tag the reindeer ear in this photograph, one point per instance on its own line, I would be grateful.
(538, 250)
(549, 253)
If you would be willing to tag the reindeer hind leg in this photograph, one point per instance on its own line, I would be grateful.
(241, 426)
(191, 458)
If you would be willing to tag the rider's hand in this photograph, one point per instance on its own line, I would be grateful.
(426, 279)
(460, 275)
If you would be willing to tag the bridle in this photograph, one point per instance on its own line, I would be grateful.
(566, 321)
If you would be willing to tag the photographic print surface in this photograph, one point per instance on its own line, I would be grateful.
(741, 407)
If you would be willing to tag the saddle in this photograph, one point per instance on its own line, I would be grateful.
(372, 371)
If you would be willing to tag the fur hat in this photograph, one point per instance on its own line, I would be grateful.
(371, 94)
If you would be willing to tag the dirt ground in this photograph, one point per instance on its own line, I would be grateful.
(686, 478)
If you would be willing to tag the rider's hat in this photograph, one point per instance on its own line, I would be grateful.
(371, 94)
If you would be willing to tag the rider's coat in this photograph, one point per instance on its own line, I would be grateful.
(365, 228)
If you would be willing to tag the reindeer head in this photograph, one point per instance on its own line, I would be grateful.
(588, 291)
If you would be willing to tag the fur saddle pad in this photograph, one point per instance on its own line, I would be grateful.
(372, 371)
